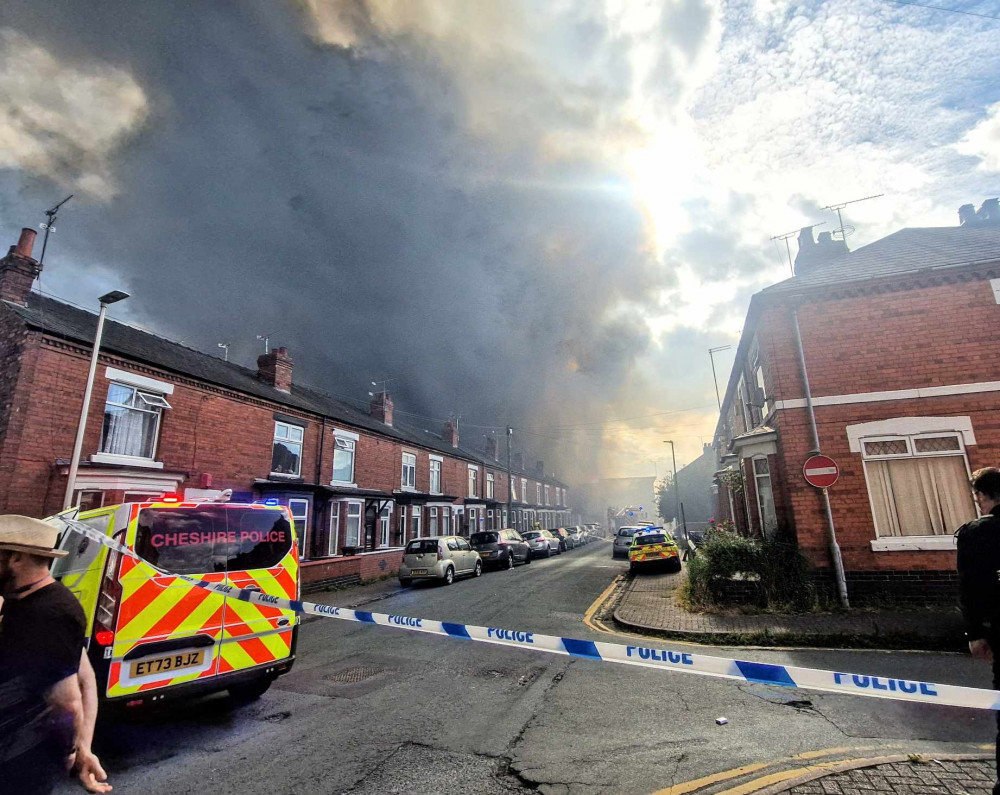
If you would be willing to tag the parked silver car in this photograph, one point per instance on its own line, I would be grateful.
(439, 558)
(623, 540)
(542, 543)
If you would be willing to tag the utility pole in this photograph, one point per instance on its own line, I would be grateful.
(510, 480)
(677, 488)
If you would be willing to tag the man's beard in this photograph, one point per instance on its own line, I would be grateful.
(6, 578)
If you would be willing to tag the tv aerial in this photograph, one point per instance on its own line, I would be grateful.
(846, 230)
(50, 225)
(788, 248)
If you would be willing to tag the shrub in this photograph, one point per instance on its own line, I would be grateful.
(775, 573)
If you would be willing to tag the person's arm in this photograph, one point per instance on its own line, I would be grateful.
(973, 597)
(87, 765)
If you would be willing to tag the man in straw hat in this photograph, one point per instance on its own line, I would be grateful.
(48, 692)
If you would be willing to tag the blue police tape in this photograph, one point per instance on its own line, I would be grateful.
(644, 656)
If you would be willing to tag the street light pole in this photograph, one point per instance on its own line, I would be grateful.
(74, 464)
(715, 379)
(677, 488)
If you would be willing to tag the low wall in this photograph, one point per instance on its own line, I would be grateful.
(349, 569)
(915, 587)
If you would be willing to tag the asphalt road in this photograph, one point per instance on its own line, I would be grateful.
(378, 710)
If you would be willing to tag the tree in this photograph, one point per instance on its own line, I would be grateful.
(666, 504)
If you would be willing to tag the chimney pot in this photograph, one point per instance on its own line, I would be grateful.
(989, 213)
(967, 215)
(25, 243)
(18, 270)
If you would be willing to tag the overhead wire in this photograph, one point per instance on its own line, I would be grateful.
(943, 8)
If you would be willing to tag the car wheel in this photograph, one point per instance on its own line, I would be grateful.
(510, 561)
(251, 691)
(562, 547)
(479, 569)
(631, 568)
(406, 582)
(449, 576)
(527, 557)
(674, 565)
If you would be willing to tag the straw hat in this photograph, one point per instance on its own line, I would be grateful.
(24, 534)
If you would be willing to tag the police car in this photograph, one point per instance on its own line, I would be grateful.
(651, 546)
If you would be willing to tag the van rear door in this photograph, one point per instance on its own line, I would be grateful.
(261, 556)
(168, 632)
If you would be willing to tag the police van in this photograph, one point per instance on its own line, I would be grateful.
(153, 636)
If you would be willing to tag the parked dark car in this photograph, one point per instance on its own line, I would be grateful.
(501, 548)
(563, 536)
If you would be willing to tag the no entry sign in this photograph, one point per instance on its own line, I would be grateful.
(821, 471)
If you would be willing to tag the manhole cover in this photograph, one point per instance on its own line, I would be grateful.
(350, 676)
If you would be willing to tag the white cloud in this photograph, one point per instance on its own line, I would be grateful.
(983, 141)
(63, 122)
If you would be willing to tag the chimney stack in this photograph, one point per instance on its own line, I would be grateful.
(967, 215)
(450, 432)
(381, 407)
(988, 214)
(18, 270)
(813, 255)
(491, 447)
(275, 368)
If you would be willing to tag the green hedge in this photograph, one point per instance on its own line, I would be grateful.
(775, 572)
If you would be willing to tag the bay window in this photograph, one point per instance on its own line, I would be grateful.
(432, 521)
(354, 510)
(765, 497)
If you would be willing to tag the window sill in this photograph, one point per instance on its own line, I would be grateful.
(913, 543)
(338, 484)
(284, 476)
(125, 460)
(411, 489)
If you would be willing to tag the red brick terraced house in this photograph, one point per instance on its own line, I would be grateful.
(894, 350)
(167, 418)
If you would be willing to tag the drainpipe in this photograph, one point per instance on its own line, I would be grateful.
(838, 563)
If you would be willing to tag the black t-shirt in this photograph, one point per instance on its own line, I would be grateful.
(41, 639)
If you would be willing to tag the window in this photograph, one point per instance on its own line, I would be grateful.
(89, 500)
(765, 497)
(513, 489)
(197, 540)
(538, 494)
(384, 521)
(743, 398)
(473, 520)
(409, 480)
(343, 459)
(415, 513)
(432, 521)
(445, 520)
(524, 489)
(286, 454)
(334, 528)
(758, 373)
(354, 524)
(473, 482)
(505, 517)
(435, 486)
(489, 485)
(489, 520)
(300, 513)
(918, 484)
(546, 495)
(131, 421)
(464, 545)
(402, 524)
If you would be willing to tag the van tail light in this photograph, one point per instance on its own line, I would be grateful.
(108, 601)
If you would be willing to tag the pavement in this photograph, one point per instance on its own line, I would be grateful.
(647, 603)
(370, 709)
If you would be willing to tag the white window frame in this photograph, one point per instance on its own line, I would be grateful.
(412, 468)
(756, 487)
(154, 408)
(416, 516)
(288, 426)
(538, 494)
(546, 490)
(432, 520)
(304, 517)
(361, 522)
(353, 438)
(334, 539)
(385, 524)
(909, 543)
(473, 484)
(504, 517)
(490, 485)
(439, 461)
(404, 530)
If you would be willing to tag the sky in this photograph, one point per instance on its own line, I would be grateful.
(541, 213)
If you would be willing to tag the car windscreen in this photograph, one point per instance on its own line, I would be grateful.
(652, 538)
(422, 545)
(529, 536)
(484, 538)
(626, 532)
(212, 538)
